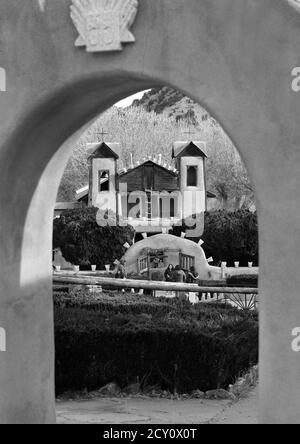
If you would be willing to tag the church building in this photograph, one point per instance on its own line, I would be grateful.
(150, 195)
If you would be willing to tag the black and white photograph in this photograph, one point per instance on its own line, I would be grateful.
(149, 215)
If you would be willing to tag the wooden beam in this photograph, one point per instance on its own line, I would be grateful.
(77, 279)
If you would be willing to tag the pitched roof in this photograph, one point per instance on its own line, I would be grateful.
(181, 148)
(103, 150)
(169, 168)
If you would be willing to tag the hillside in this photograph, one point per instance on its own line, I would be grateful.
(159, 99)
(174, 104)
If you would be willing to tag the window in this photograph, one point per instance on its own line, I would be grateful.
(192, 176)
(104, 181)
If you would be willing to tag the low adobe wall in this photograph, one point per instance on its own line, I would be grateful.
(169, 242)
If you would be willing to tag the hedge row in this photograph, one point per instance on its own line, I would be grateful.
(250, 281)
(83, 242)
(232, 237)
(189, 348)
(114, 303)
(229, 236)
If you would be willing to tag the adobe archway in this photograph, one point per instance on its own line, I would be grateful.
(233, 57)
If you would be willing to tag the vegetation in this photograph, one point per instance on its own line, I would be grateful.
(247, 280)
(231, 237)
(113, 302)
(83, 242)
(168, 343)
(228, 236)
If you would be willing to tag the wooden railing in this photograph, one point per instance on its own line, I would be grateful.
(241, 297)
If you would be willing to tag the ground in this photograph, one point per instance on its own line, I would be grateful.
(143, 410)
(242, 412)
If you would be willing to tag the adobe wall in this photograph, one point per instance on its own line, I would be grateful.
(169, 242)
(235, 57)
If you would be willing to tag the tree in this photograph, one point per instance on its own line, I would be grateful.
(228, 236)
(83, 242)
(231, 237)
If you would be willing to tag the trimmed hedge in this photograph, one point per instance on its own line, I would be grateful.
(229, 236)
(247, 280)
(115, 303)
(179, 347)
(83, 242)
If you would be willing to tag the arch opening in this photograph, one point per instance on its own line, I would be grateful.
(54, 127)
(132, 161)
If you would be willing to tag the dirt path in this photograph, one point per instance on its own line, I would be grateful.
(142, 410)
(242, 412)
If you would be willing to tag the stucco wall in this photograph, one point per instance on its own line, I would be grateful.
(234, 57)
(165, 242)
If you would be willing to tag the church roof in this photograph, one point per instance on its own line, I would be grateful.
(103, 150)
(192, 148)
(169, 168)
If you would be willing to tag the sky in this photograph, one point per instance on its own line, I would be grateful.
(128, 101)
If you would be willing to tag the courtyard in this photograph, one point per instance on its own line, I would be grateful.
(144, 410)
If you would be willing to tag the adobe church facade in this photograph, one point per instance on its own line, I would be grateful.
(150, 195)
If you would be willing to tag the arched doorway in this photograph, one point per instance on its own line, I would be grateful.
(49, 128)
(69, 88)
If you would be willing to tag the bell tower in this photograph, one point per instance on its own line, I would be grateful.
(103, 175)
(190, 161)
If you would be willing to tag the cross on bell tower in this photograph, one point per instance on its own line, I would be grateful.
(189, 132)
(102, 134)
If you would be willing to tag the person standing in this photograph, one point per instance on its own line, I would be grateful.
(121, 270)
(179, 275)
(193, 276)
(169, 274)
